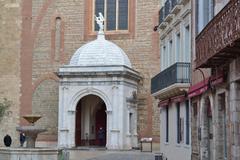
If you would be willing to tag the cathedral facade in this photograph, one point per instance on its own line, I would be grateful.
(39, 40)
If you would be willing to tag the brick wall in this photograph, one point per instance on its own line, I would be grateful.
(142, 50)
(45, 100)
(10, 27)
(36, 42)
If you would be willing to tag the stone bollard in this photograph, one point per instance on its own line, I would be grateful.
(64, 155)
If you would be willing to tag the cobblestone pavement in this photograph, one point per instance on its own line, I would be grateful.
(125, 156)
(95, 153)
(111, 155)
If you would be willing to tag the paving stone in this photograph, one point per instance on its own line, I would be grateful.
(111, 155)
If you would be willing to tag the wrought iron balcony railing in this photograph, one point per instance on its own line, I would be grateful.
(219, 41)
(167, 7)
(174, 3)
(161, 15)
(177, 73)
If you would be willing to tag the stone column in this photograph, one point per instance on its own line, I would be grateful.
(204, 143)
(221, 125)
(31, 139)
(62, 126)
(71, 121)
(115, 108)
(135, 135)
(114, 142)
(109, 128)
(235, 119)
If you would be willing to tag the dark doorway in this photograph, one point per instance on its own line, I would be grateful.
(78, 125)
(101, 123)
(90, 117)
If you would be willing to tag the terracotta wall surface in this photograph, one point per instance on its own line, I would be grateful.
(49, 35)
(10, 82)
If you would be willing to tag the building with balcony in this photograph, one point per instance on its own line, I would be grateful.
(214, 92)
(171, 85)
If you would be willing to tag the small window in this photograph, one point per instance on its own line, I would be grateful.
(163, 58)
(204, 13)
(130, 123)
(115, 13)
(170, 55)
(187, 44)
(57, 38)
(177, 49)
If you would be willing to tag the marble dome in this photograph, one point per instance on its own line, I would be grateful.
(100, 52)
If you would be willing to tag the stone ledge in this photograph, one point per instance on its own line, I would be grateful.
(29, 153)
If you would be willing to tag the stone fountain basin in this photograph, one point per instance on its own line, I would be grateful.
(30, 152)
(31, 118)
(30, 129)
(31, 133)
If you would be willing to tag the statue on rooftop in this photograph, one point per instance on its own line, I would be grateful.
(100, 21)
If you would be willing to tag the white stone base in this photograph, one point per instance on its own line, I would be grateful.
(28, 154)
(115, 86)
(46, 144)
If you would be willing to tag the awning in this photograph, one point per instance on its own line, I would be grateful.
(215, 80)
(203, 86)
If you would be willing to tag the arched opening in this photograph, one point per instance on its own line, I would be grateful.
(91, 122)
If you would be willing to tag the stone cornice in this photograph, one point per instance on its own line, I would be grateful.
(98, 71)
